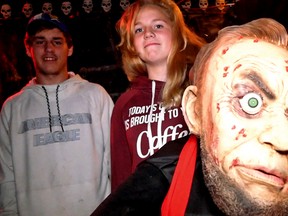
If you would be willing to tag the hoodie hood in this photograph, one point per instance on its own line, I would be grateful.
(143, 83)
(50, 93)
(73, 78)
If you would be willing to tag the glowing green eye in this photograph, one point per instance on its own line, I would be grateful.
(251, 103)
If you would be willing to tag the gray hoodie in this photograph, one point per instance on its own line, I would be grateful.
(55, 149)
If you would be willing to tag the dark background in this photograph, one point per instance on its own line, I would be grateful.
(96, 57)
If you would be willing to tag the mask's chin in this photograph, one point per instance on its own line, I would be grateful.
(233, 200)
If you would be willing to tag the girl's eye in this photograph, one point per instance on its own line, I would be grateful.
(158, 26)
(137, 30)
(251, 103)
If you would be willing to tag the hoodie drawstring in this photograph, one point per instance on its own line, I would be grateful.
(149, 134)
(161, 118)
(49, 110)
(58, 108)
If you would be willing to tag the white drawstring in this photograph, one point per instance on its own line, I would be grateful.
(150, 136)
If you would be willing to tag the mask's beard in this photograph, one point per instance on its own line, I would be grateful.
(230, 198)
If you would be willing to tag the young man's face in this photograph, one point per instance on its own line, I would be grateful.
(49, 52)
(244, 127)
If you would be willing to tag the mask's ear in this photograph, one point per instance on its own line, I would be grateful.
(189, 109)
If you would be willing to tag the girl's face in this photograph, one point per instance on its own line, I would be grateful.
(153, 35)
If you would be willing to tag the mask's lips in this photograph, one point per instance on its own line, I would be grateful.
(263, 174)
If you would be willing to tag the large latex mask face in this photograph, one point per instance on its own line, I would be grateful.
(124, 4)
(106, 5)
(186, 5)
(27, 10)
(66, 8)
(87, 6)
(244, 127)
(6, 11)
(47, 8)
(220, 4)
(203, 4)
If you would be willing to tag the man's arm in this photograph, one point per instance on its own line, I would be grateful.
(8, 201)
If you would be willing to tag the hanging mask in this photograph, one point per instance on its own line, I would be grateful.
(87, 6)
(66, 8)
(27, 10)
(220, 4)
(47, 8)
(124, 4)
(6, 11)
(186, 5)
(203, 4)
(106, 5)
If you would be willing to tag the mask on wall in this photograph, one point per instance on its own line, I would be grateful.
(66, 8)
(47, 8)
(186, 5)
(6, 11)
(124, 4)
(220, 4)
(87, 6)
(27, 10)
(106, 5)
(203, 4)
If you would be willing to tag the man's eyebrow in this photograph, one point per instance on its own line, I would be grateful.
(54, 38)
(258, 81)
(38, 37)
